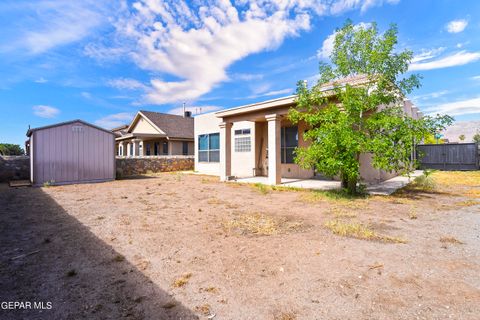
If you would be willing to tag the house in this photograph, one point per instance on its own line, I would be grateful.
(259, 140)
(153, 133)
(71, 152)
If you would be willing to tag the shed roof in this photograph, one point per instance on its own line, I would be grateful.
(31, 130)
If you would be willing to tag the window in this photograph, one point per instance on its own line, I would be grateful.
(242, 142)
(131, 149)
(165, 148)
(209, 147)
(242, 131)
(155, 148)
(185, 148)
(147, 149)
(120, 150)
(289, 141)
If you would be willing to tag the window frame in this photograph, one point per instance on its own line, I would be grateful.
(283, 144)
(208, 151)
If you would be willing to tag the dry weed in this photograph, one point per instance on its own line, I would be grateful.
(359, 231)
(451, 240)
(261, 224)
(183, 280)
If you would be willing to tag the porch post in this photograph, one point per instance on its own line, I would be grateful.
(135, 147)
(128, 149)
(170, 147)
(225, 150)
(274, 160)
(141, 148)
(121, 148)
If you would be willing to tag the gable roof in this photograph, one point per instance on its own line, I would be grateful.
(30, 131)
(174, 126)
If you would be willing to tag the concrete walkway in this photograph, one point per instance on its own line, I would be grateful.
(386, 187)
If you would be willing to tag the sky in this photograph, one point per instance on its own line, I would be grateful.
(102, 61)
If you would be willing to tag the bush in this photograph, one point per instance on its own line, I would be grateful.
(8, 149)
(425, 181)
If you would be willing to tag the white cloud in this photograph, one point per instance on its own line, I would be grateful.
(194, 110)
(45, 111)
(327, 47)
(115, 120)
(430, 96)
(45, 25)
(456, 108)
(126, 83)
(452, 60)
(427, 54)
(338, 7)
(41, 80)
(287, 91)
(247, 76)
(456, 26)
(476, 78)
(196, 43)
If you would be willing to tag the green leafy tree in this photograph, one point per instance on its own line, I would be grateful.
(8, 149)
(461, 137)
(356, 107)
(476, 137)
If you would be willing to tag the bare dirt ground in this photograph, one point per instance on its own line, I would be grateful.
(176, 246)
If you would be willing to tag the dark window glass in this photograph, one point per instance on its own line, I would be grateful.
(289, 141)
(184, 148)
(203, 142)
(147, 149)
(155, 148)
(165, 148)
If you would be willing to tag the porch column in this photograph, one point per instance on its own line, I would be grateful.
(170, 147)
(128, 149)
(121, 148)
(225, 150)
(141, 148)
(274, 160)
(135, 147)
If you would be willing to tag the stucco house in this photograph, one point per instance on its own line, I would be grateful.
(258, 140)
(153, 133)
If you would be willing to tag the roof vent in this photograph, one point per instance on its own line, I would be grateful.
(187, 114)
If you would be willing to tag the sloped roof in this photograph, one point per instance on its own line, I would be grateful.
(174, 126)
(31, 130)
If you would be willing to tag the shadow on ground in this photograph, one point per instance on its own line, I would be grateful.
(46, 255)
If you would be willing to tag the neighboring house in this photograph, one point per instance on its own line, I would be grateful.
(153, 133)
(259, 140)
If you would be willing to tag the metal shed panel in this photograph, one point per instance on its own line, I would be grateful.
(71, 153)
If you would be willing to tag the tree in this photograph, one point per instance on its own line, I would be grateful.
(356, 107)
(476, 137)
(461, 137)
(8, 149)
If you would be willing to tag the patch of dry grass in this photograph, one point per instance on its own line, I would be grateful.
(282, 315)
(358, 231)
(342, 213)
(450, 239)
(457, 178)
(472, 193)
(261, 224)
(335, 195)
(467, 203)
(261, 188)
(182, 281)
(204, 309)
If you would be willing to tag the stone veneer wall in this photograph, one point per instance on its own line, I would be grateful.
(128, 166)
(14, 168)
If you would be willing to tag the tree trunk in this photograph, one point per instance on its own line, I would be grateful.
(352, 186)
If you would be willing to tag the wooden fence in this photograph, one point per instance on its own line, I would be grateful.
(449, 156)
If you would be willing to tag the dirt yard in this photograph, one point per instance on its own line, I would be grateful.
(178, 246)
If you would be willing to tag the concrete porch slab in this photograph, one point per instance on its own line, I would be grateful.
(386, 187)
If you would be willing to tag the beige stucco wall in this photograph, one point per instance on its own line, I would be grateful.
(203, 124)
(243, 163)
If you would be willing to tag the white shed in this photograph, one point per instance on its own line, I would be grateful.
(71, 152)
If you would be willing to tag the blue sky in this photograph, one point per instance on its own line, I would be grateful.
(103, 61)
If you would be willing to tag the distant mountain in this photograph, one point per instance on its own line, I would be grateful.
(467, 128)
